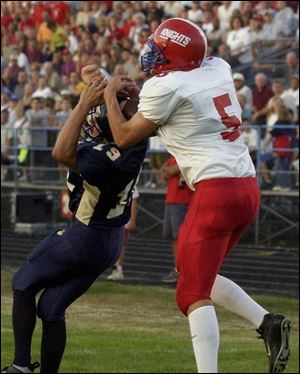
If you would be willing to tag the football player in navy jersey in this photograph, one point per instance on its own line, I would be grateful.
(65, 264)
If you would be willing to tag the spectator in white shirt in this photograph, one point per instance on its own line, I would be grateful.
(172, 8)
(43, 91)
(207, 24)
(251, 139)
(294, 89)
(239, 41)
(287, 99)
(195, 14)
(134, 32)
(243, 89)
(21, 59)
(284, 20)
(225, 13)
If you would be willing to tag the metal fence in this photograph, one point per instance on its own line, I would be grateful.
(31, 170)
(32, 162)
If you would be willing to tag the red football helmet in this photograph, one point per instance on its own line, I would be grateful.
(177, 44)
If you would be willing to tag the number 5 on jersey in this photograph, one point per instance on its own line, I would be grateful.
(221, 102)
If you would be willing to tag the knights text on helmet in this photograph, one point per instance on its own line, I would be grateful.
(175, 36)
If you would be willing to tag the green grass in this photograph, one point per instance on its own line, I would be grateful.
(117, 328)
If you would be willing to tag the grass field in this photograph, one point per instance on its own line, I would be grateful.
(117, 328)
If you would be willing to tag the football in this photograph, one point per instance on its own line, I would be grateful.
(129, 108)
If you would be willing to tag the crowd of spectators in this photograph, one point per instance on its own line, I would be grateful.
(44, 45)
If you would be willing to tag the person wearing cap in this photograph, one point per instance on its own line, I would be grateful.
(243, 89)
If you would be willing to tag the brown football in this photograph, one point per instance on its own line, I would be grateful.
(130, 108)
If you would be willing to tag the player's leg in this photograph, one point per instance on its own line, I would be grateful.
(51, 309)
(194, 283)
(204, 240)
(26, 283)
(101, 250)
(200, 253)
(168, 233)
(229, 295)
(225, 292)
(173, 218)
(57, 259)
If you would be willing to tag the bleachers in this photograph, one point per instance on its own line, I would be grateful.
(261, 269)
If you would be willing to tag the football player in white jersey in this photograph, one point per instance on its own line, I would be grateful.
(191, 104)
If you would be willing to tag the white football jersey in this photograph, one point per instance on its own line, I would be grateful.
(199, 121)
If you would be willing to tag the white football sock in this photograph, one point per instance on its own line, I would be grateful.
(229, 295)
(205, 338)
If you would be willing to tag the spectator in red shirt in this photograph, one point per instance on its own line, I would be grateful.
(38, 11)
(26, 22)
(6, 18)
(113, 32)
(176, 204)
(261, 95)
(128, 21)
(60, 11)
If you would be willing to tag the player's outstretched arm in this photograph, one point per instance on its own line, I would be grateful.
(125, 133)
(65, 148)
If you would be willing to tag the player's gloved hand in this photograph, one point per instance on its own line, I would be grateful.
(92, 95)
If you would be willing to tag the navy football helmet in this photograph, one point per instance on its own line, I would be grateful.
(96, 126)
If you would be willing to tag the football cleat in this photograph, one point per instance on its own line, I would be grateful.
(13, 369)
(116, 275)
(275, 331)
(171, 277)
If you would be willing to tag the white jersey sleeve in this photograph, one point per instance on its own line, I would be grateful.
(157, 101)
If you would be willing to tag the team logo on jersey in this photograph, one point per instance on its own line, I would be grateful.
(175, 36)
(96, 112)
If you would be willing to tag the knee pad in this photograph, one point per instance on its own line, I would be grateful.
(48, 309)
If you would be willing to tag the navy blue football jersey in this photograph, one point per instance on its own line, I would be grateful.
(100, 196)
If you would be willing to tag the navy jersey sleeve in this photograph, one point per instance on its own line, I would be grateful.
(107, 167)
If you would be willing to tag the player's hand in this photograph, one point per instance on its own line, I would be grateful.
(131, 225)
(120, 84)
(92, 94)
(90, 73)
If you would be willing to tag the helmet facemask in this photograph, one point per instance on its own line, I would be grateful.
(96, 128)
(153, 56)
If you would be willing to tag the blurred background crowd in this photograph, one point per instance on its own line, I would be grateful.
(44, 45)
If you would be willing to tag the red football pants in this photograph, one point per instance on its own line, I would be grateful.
(218, 215)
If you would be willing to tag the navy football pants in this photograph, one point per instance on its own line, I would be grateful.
(65, 264)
